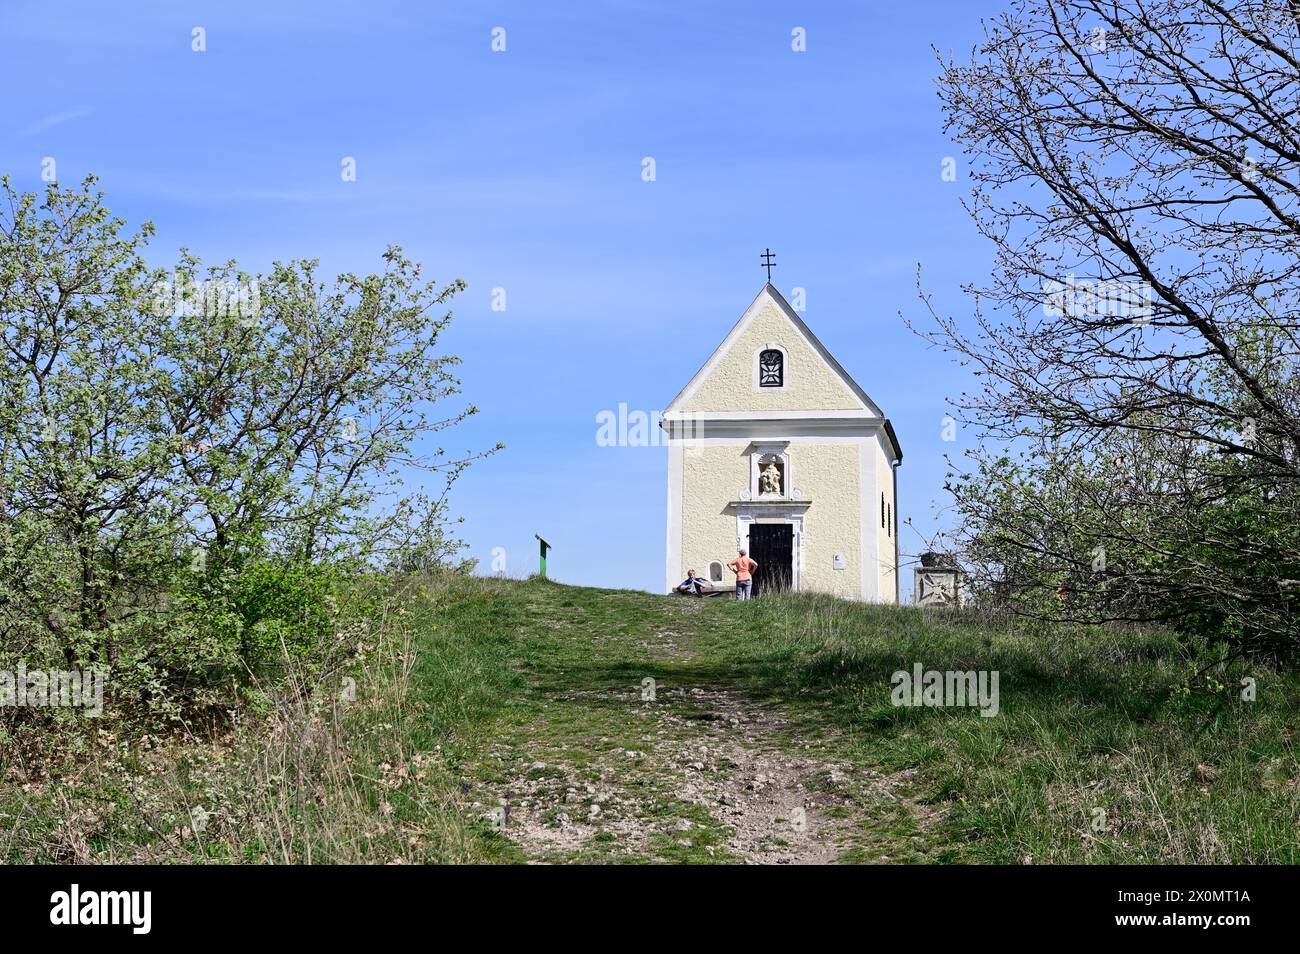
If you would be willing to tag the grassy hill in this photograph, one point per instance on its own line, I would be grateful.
(498, 720)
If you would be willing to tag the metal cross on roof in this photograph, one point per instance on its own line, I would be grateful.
(769, 262)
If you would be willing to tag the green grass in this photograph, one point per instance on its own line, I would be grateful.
(478, 690)
(1088, 720)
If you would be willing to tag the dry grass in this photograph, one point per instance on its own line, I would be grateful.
(313, 774)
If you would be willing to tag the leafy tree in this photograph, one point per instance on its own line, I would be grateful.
(165, 432)
(1136, 166)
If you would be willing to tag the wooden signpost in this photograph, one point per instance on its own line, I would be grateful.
(544, 547)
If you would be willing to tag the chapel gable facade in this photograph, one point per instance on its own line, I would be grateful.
(774, 448)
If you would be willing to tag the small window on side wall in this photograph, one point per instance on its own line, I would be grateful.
(715, 572)
(771, 368)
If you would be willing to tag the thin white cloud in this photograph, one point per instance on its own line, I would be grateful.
(54, 119)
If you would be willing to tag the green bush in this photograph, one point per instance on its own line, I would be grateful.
(288, 613)
(219, 633)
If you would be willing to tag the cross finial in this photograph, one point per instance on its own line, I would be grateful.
(769, 262)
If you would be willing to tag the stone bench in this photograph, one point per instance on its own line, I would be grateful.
(720, 593)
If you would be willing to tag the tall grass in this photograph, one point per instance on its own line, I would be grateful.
(1109, 745)
(340, 768)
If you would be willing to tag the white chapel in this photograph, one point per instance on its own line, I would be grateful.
(774, 448)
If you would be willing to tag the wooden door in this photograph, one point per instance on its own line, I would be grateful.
(772, 546)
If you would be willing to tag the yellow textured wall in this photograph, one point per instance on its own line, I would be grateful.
(711, 476)
(885, 483)
(827, 473)
(810, 384)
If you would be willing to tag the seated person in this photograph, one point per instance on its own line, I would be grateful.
(693, 584)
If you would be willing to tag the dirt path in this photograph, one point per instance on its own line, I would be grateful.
(638, 742)
(713, 772)
(774, 802)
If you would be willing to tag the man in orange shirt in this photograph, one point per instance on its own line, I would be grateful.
(744, 569)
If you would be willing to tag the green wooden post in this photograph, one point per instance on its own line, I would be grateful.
(544, 547)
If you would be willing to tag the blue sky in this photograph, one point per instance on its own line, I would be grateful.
(522, 170)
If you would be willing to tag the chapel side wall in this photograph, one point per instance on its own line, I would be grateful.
(887, 571)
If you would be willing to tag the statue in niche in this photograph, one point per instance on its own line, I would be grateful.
(769, 479)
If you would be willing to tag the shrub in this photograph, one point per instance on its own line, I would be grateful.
(288, 611)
